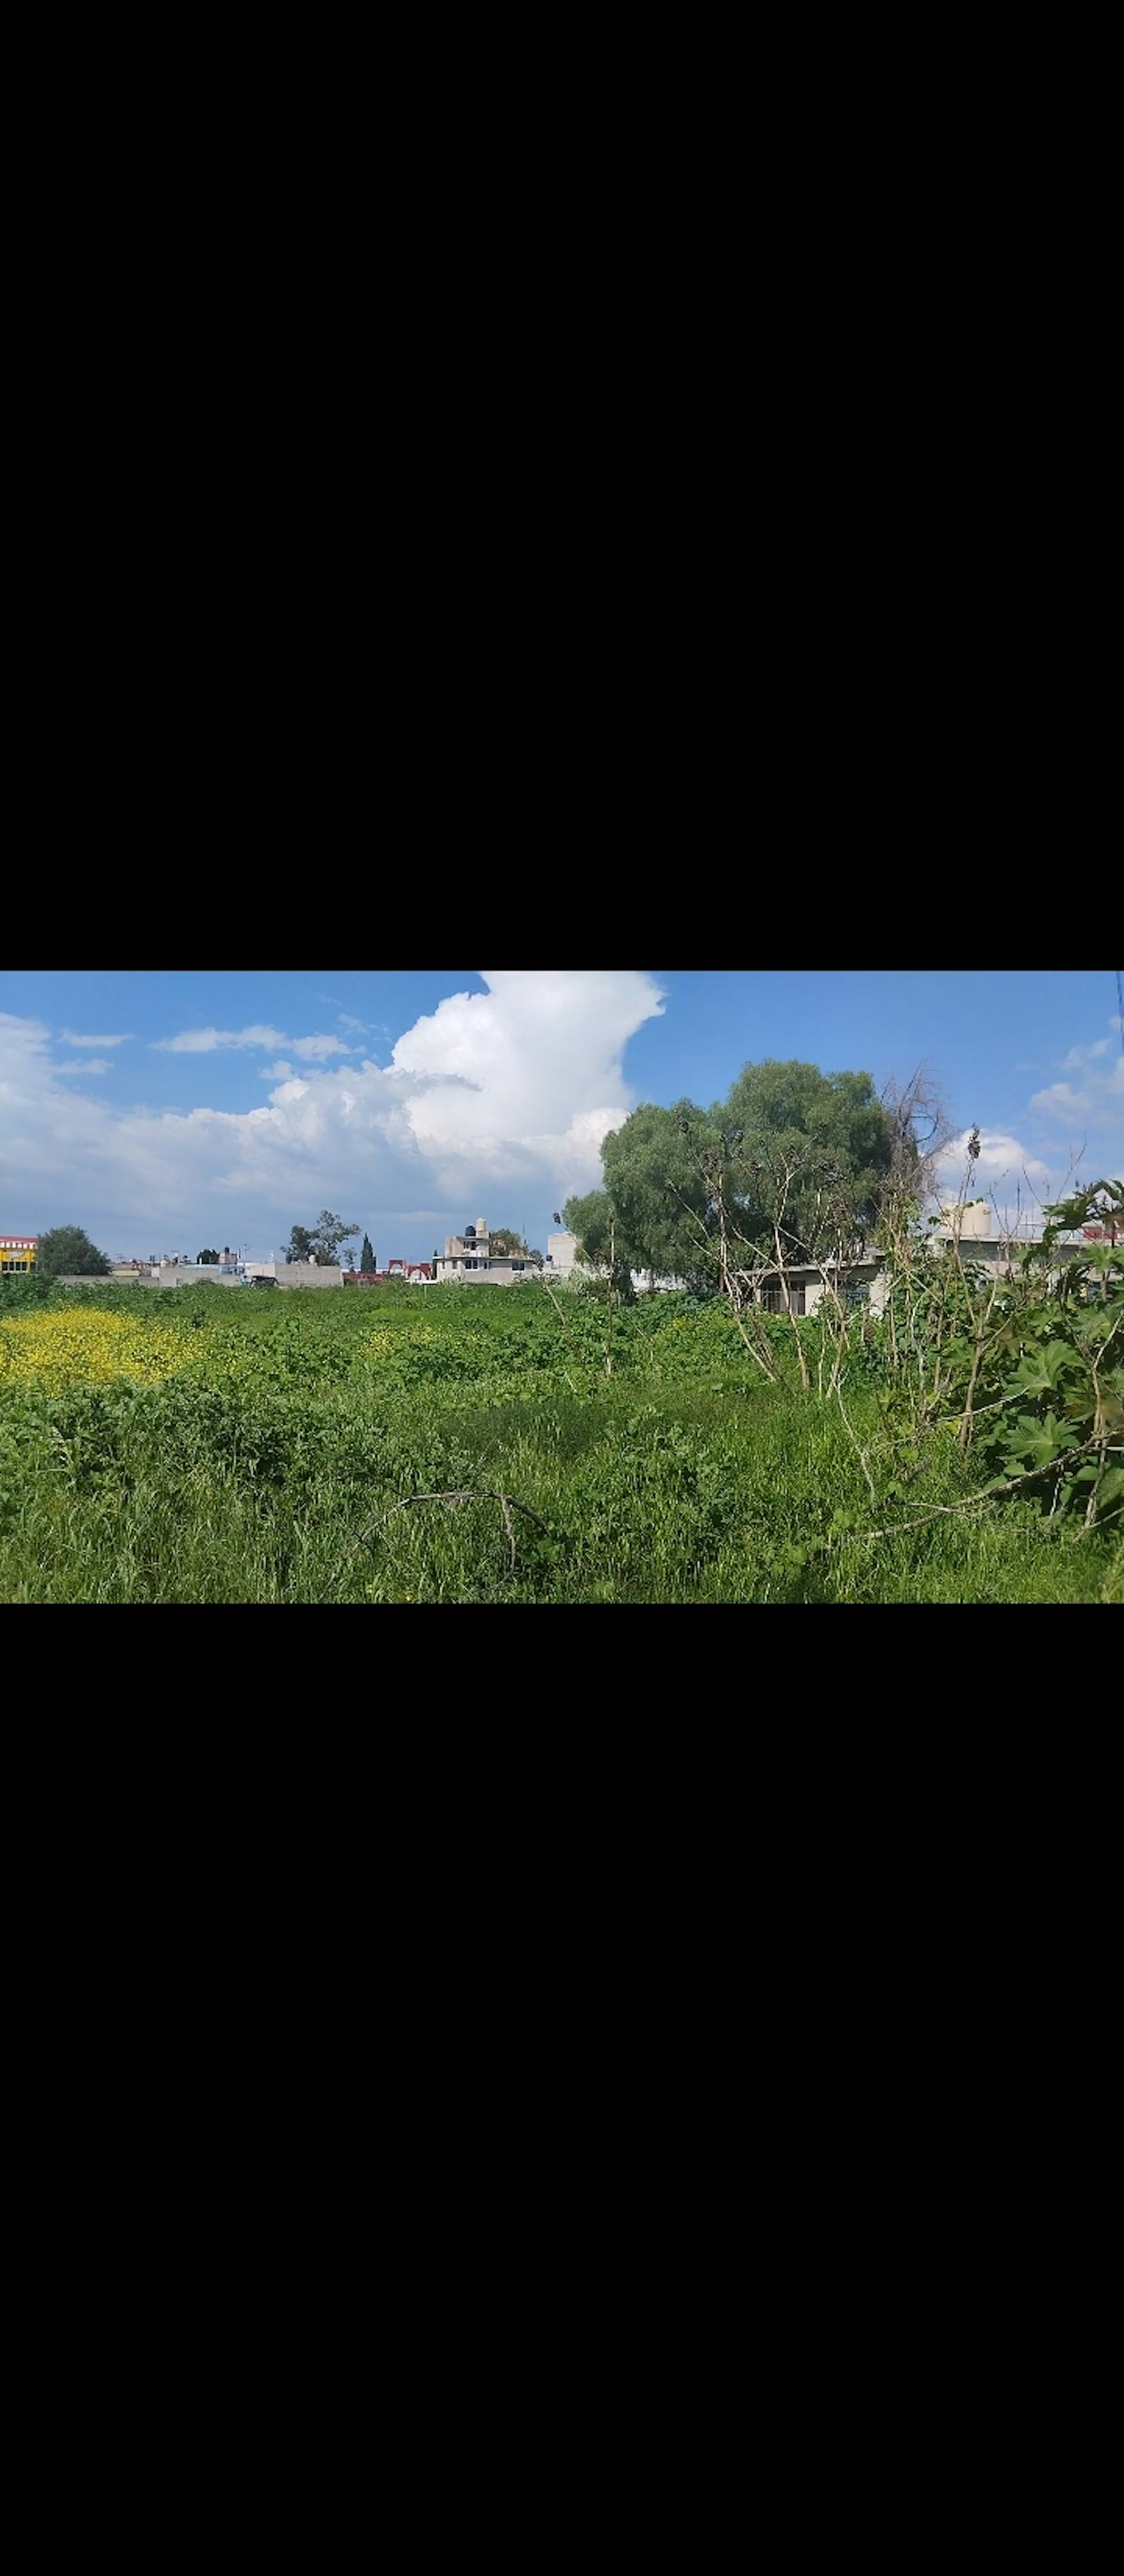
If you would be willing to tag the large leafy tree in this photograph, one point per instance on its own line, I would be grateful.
(67, 1249)
(809, 1153)
(791, 1166)
(659, 1191)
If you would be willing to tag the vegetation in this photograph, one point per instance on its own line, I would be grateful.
(794, 1164)
(321, 1242)
(586, 1444)
(208, 1254)
(367, 1259)
(534, 1445)
(68, 1249)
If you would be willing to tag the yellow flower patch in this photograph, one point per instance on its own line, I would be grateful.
(70, 1346)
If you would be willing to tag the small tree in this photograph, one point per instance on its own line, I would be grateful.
(329, 1234)
(367, 1259)
(505, 1240)
(66, 1249)
(320, 1242)
(208, 1254)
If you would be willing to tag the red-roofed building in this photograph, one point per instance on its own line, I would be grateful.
(17, 1251)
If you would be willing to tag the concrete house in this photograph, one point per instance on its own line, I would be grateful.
(470, 1262)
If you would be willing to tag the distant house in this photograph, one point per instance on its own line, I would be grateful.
(17, 1251)
(469, 1261)
(974, 1233)
(562, 1253)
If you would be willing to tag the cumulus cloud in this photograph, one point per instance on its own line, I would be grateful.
(528, 1073)
(1005, 1171)
(494, 1095)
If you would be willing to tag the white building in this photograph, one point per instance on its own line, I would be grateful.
(470, 1262)
(562, 1254)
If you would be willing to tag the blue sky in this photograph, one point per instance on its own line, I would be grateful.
(166, 1111)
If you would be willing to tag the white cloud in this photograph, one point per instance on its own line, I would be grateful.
(1078, 1056)
(1060, 1100)
(315, 1049)
(528, 1072)
(1001, 1157)
(69, 1039)
(495, 1097)
(86, 1064)
(1006, 1172)
(204, 1041)
(1076, 1131)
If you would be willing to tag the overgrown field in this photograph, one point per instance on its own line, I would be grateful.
(211, 1445)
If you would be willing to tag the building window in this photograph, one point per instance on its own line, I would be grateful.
(773, 1299)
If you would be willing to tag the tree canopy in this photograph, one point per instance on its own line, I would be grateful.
(367, 1256)
(67, 1249)
(791, 1166)
(320, 1242)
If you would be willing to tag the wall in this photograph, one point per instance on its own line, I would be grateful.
(187, 1274)
(308, 1274)
(497, 1275)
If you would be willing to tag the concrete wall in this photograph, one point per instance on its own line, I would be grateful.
(497, 1275)
(187, 1274)
(308, 1274)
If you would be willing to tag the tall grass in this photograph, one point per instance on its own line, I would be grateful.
(286, 1451)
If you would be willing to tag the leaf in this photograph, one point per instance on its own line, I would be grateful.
(1040, 1442)
(1030, 1378)
(1111, 1485)
(1058, 1356)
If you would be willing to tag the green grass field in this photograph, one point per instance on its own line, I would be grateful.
(234, 1445)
